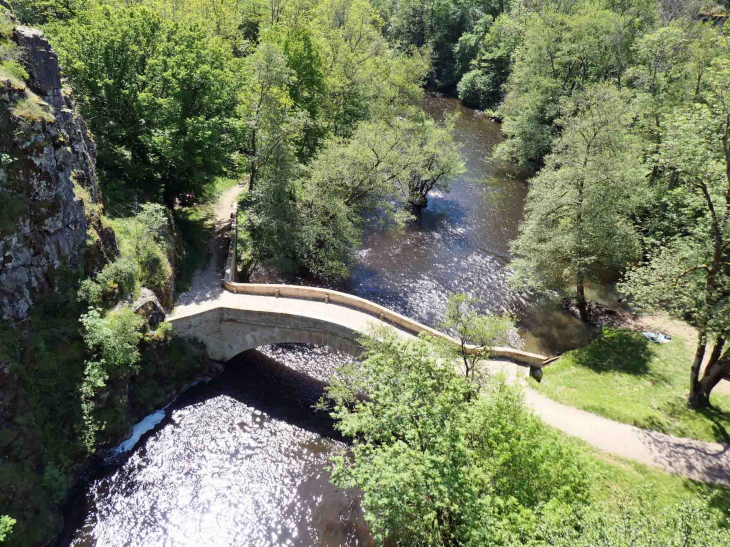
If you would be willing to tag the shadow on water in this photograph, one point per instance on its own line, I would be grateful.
(282, 392)
(239, 461)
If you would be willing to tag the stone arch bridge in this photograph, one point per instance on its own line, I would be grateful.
(244, 316)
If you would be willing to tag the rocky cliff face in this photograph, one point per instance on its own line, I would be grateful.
(50, 202)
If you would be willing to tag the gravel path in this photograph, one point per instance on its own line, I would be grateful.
(696, 460)
(207, 284)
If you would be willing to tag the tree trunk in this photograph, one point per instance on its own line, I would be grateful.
(252, 177)
(416, 206)
(581, 299)
(696, 397)
(713, 376)
(169, 195)
(716, 353)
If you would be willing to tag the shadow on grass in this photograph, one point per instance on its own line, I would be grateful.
(719, 419)
(196, 230)
(616, 351)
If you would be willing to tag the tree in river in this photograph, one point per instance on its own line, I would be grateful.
(482, 332)
(431, 157)
(439, 466)
(577, 222)
(385, 165)
(689, 274)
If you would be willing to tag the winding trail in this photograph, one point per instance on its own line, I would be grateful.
(697, 460)
(206, 285)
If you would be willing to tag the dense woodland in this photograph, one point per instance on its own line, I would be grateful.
(620, 108)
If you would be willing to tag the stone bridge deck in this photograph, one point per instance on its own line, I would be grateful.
(244, 316)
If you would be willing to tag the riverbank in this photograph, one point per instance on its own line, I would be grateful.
(624, 377)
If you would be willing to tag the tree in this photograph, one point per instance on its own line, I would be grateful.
(476, 89)
(270, 122)
(564, 50)
(307, 89)
(477, 334)
(385, 165)
(438, 465)
(448, 28)
(40, 12)
(432, 158)
(365, 79)
(689, 274)
(6, 526)
(159, 96)
(404, 158)
(577, 222)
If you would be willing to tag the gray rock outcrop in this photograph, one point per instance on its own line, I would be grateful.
(148, 306)
(50, 202)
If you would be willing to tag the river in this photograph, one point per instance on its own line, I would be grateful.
(241, 461)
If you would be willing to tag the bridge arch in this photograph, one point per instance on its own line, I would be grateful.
(227, 332)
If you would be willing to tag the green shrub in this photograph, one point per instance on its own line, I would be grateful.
(112, 342)
(113, 339)
(144, 240)
(437, 463)
(476, 89)
(6, 526)
(14, 69)
(116, 280)
(56, 482)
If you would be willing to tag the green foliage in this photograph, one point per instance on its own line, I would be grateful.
(56, 482)
(117, 280)
(476, 89)
(32, 109)
(626, 378)
(689, 264)
(14, 69)
(145, 240)
(40, 12)
(111, 343)
(438, 465)
(41, 413)
(682, 524)
(578, 208)
(687, 273)
(308, 89)
(316, 222)
(6, 526)
(159, 96)
(563, 52)
(450, 29)
(482, 332)
(270, 126)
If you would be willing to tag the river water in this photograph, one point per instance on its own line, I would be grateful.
(241, 461)
(460, 244)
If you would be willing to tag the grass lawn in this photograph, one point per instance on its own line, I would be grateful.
(626, 378)
(619, 475)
